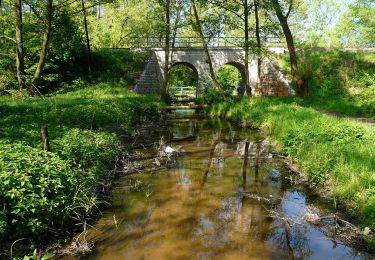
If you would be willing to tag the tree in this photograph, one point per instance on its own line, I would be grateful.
(313, 21)
(241, 9)
(44, 48)
(20, 59)
(357, 26)
(87, 34)
(198, 27)
(283, 19)
(247, 43)
(259, 44)
(166, 49)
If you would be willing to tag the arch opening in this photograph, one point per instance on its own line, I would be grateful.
(183, 82)
(232, 77)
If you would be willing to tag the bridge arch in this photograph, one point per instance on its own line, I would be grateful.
(183, 81)
(240, 67)
(232, 76)
(187, 64)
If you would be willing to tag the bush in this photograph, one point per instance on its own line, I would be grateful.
(211, 96)
(208, 94)
(89, 149)
(3, 223)
(36, 188)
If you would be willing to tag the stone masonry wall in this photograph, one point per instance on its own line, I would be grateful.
(274, 81)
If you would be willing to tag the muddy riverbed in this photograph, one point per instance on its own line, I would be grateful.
(226, 195)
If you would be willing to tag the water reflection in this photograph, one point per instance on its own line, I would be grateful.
(219, 201)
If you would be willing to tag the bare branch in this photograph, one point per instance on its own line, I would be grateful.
(290, 9)
(220, 5)
(79, 11)
(8, 38)
(35, 12)
(65, 3)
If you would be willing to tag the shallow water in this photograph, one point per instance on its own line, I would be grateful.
(215, 204)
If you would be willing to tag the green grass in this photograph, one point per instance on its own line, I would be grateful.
(342, 82)
(44, 191)
(336, 154)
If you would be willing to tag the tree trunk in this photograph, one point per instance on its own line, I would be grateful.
(293, 59)
(98, 10)
(259, 46)
(205, 47)
(44, 49)
(87, 35)
(166, 50)
(175, 27)
(20, 63)
(283, 19)
(247, 80)
(45, 139)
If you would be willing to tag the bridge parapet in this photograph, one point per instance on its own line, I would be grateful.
(194, 42)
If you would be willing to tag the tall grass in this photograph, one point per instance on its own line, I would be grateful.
(336, 154)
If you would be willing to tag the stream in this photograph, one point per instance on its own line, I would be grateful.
(227, 195)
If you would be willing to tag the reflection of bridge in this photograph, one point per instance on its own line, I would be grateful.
(274, 81)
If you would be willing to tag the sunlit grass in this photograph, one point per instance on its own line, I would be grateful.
(342, 82)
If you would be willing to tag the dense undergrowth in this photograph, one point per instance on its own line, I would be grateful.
(338, 81)
(41, 192)
(336, 154)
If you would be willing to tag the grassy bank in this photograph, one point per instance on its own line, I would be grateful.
(339, 81)
(336, 154)
(41, 192)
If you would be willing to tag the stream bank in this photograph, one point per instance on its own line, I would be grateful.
(335, 155)
(227, 194)
(48, 195)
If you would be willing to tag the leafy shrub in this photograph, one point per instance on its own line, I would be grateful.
(3, 223)
(208, 94)
(89, 149)
(211, 96)
(36, 188)
(7, 81)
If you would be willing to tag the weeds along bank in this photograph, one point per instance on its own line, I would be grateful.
(43, 192)
(336, 154)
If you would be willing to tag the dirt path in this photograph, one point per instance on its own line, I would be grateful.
(364, 120)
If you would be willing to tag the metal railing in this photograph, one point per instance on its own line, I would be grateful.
(190, 42)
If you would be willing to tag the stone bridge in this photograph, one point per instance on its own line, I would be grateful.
(274, 81)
